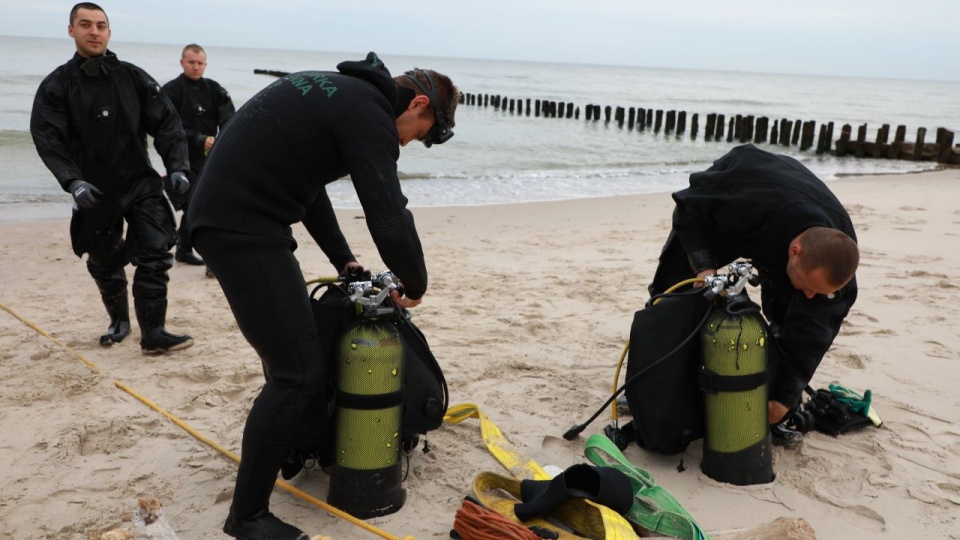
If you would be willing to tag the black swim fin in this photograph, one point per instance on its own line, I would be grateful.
(602, 485)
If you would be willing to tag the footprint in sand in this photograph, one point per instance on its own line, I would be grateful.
(954, 448)
(924, 273)
(71, 442)
(853, 360)
(206, 400)
(923, 259)
(951, 491)
(933, 446)
(939, 350)
(932, 493)
(108, 436)
(204, 374)
(836, 490)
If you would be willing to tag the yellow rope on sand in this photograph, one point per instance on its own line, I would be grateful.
(200, 437)
(63, 345)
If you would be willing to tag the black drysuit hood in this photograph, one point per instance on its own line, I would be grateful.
(372, 70)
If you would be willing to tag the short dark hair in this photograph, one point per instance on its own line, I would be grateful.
(832, 250)
(86, 5)
(449, 95)
(192, 47)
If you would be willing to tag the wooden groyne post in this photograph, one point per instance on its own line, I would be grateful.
(743, 128)
(807, 134)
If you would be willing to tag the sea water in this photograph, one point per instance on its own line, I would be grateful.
(501, 157)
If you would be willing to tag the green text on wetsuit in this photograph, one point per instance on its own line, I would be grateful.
(304, 82)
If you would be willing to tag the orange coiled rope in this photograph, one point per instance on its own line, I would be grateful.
(474, 522)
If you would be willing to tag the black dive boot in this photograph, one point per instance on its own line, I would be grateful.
(249, 517)
(184, 251)
(118, 307)
(262, 526)
(154, 338)
(188, 257)
(784, 434)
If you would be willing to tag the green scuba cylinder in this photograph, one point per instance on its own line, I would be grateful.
(366, 476)
(734, 346)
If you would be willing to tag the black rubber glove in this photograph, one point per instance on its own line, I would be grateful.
(179, 182)
(85, 193)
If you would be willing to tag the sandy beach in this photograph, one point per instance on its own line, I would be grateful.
(528, 311)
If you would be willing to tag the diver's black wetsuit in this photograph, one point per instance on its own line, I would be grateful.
(94, 127)
(204, 107)
(752, 204)
(267, 171)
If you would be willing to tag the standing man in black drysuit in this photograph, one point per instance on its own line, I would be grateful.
(204, 107)
(268, 170)
(772, 210)
(89, 123)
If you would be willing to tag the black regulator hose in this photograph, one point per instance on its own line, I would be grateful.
(741, 304)
(573, 432)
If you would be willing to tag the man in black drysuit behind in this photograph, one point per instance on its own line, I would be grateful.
(267, 171)
(772, 210)
(89, 123)
(204, 107)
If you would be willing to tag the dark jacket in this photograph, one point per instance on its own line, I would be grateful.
(270, 165)
(752, 204)
(94, 127)
(204, 107)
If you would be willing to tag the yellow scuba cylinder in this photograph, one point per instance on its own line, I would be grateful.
(734, 345)
(366, 475)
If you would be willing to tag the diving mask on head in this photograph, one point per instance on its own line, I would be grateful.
(440, 132)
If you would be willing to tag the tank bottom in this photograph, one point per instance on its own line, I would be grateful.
(366, 493)
(752, 465)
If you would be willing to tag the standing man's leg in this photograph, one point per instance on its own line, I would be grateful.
(184, 251)
(264, 286)
(105, 263)
(150, 235)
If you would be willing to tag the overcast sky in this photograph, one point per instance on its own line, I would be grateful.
(914, 39)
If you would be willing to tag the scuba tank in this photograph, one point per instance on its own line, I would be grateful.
(366, 475)
(664, 384)
(733, 376)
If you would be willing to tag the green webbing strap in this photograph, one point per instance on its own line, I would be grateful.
(654, 508)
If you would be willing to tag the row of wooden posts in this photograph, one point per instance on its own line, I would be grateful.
(743, 128)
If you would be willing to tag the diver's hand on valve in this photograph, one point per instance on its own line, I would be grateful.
(351, 267)
(179, 182)
(85, 193)
(403, 301)
(702, 274)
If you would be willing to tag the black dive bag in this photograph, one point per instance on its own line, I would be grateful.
(425, 397)
(665, 401)
(827, 414)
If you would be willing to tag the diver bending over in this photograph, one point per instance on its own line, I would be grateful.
(267, 171)
(772, 210)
